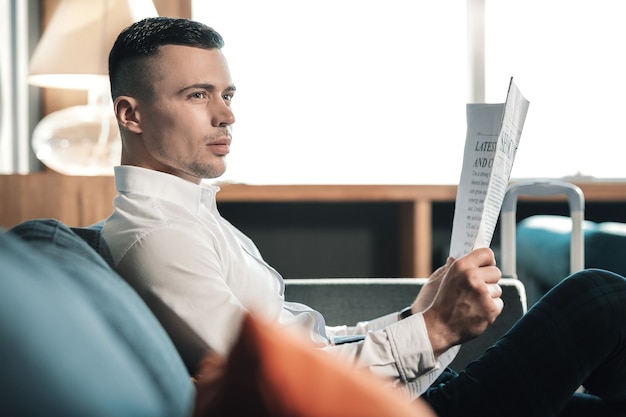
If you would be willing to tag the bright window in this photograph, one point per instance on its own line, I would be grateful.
(15, 153)
(567, 58)
(345, 91)
(348, 91)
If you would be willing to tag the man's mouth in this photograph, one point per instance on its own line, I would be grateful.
(220, 146)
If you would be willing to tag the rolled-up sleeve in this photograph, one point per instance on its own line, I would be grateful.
(397, 350)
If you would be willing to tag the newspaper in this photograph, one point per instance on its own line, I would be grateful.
(493, 134)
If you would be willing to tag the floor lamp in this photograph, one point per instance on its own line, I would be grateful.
(72, 54)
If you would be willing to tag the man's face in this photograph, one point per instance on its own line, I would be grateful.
(186, 127)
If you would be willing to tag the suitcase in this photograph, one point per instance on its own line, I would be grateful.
(541, 188)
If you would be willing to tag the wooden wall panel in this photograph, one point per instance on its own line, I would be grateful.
(77, 201)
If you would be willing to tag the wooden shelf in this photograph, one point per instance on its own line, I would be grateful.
(336, 193)
(80, 201)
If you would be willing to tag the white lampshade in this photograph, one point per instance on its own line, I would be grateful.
(73, 51)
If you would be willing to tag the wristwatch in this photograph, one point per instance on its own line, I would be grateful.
(405, 312)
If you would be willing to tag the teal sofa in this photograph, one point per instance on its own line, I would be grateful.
(78, 341)
(543, 250)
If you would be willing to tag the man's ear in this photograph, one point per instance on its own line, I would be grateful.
(127, 113)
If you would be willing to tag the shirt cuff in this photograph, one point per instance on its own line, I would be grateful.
(410, 347)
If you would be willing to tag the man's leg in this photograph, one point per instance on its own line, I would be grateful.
(575, 335)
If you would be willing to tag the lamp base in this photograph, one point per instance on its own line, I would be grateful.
(79, 140)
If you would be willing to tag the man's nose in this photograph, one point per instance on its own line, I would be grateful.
(223, 115)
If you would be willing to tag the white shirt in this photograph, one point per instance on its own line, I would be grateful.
(200, 275)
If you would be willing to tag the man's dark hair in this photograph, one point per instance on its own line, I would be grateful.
(129, 69)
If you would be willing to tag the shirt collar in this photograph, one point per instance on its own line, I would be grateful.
(132, 179)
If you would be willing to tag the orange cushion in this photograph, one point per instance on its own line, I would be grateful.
(272, 373)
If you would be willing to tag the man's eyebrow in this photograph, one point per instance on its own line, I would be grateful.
(208, 87)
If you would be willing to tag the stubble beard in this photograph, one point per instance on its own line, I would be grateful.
(208, 170)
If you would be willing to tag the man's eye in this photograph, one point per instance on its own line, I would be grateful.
(228, 97)
(199, 94)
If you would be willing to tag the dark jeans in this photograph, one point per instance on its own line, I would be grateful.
(575, 335)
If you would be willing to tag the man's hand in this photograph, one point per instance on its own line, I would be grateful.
(467, 301)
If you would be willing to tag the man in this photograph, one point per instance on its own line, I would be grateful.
(172, 93)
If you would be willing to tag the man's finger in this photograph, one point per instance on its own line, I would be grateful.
(495, 290)
(499, 303)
